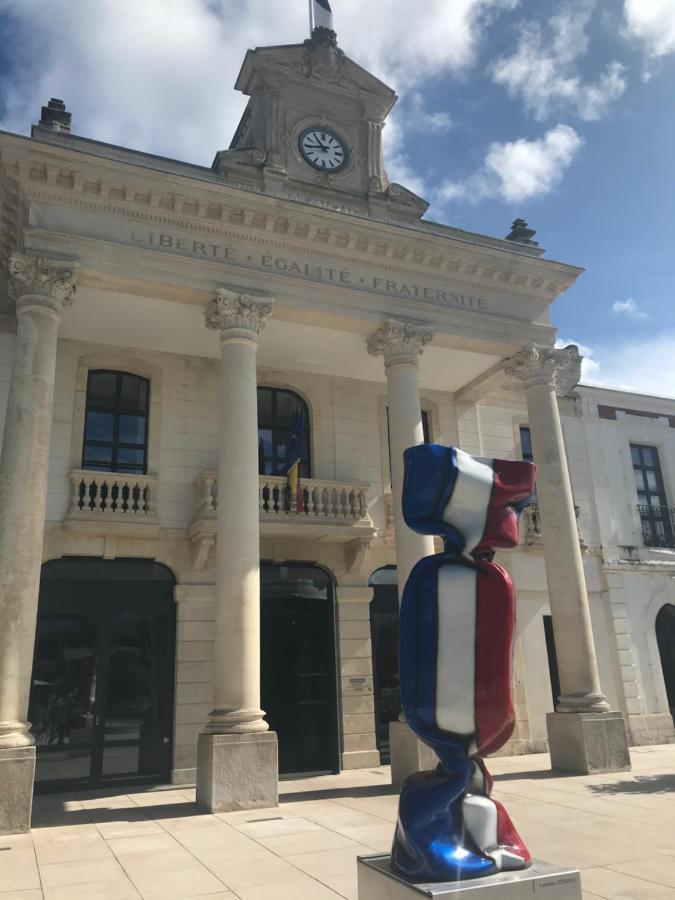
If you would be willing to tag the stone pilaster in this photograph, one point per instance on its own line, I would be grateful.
(359, 744)
(237, 755)
(584, 735)
(41, 288)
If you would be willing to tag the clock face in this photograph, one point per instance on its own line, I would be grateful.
(323, 149)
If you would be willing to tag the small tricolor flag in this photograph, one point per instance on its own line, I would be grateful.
(322, 14)
(294, 491)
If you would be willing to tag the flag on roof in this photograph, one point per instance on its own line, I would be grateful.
(323, 15)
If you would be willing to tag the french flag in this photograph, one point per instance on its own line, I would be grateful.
(323, 15)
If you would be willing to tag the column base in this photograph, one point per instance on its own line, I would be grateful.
(237, 771)
(17, 773)
(408, 753)
(588, 743)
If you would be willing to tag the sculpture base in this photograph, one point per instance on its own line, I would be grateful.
(408, 754)
(588, 743)
(17, 772)
(237, 771)
(378, 882)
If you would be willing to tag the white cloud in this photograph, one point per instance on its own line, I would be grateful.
(518, 170)
(628, 308)
(653, 23)
(159, 74)
(543, 69)
(417, 117)
(623, 365)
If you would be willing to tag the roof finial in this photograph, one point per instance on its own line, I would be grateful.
(521, 233)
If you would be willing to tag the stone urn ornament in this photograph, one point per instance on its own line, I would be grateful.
(456, 648)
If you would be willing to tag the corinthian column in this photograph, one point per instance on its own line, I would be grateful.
(401, 344)
(237, 755)
(584, 736)
(40, 288)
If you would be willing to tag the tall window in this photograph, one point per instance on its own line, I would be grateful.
(283, 432)
(528, 456)
(657, 526)
(116, 422)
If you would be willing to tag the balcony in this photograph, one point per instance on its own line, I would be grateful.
(658, 526)
(332, 511)
(113, 502)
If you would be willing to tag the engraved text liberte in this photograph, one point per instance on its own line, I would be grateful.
(325, 274)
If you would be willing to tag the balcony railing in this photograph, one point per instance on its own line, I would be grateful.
(658, 525)
(112, 495)
(335, 501)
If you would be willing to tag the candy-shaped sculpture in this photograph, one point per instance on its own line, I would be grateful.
(457, 633)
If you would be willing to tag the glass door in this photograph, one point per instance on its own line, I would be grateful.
(102, 693)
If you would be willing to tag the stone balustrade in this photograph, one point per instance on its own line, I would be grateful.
(114, 496)
(319, 499)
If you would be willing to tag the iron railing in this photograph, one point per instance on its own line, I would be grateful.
(658, 525)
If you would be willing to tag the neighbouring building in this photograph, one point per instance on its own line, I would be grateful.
(208, 377)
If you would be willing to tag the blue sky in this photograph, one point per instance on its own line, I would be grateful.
(559, 112)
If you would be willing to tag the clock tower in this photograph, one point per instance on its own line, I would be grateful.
(312, 130)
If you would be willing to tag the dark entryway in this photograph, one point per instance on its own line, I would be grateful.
(384, 621)
(102, 690)
(665, 636)
(298, 674)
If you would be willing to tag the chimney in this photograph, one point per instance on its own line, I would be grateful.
(55, 117)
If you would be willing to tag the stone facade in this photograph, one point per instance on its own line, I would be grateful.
(379, 320)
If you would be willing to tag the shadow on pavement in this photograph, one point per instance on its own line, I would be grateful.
(640, 784)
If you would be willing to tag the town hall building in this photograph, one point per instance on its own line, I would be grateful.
(208, 377)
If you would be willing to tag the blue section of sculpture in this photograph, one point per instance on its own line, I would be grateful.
(448, 827)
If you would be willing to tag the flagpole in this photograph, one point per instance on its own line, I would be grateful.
(311, 18)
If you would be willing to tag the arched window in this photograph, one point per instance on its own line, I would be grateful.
(116, 422)
(665, 637)
(283, 432)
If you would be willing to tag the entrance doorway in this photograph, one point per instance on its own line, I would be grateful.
(384, 621)
(101, 702)
(665, 637)
(298, 671)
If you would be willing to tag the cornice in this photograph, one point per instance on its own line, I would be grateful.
(186, 204)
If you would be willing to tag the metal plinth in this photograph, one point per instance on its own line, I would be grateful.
(378, 882)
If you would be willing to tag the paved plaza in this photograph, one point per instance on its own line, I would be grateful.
(619, 829)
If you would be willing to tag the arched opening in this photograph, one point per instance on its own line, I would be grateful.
(665, 637)
(384, 620)
(298, 666)
(283, 432)
(101, 702)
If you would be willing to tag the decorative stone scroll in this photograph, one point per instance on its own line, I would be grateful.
(401, 343)
(238, 316)
(456, 646)
(51, 280)
(547, 365)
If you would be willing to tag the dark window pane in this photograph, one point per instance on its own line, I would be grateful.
(287, 406)
(648, 456)
(132, 429)
(130, 470)
(134, 393)
(94, 454)
(101, 389)
(526, 444)
(99, 426)
(637, 458)
(127, 456)
(425, 427)
(264, 403)
(265, 438)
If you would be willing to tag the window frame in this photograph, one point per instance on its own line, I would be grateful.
(643, 467)
(305, 468)
(117, 411)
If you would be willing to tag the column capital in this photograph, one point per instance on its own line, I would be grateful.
(37, 280)
(401, 343)
(558, 367)
(238, 316)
